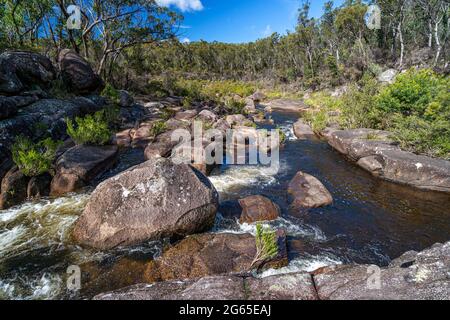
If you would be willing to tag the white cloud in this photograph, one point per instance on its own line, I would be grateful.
(185, 40)
(183, 5)
(267, 31)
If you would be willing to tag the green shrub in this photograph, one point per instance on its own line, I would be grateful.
(34, 159)
(157, 128)
(358, 106)
(235, 107)
(413, 92)
(282, 135)
(266, 245)
(90, 130)
(111, 93)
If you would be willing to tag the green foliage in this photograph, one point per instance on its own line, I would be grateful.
(358, 106)
(111, 93)
(282, 135)
(416, 92)
(157, 128)
(90, 130)
(266, 245)
(235, 107)
(415, 108)
(34, 159)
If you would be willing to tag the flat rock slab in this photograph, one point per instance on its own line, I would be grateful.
(154, 200)
(287, 105)
(80, 165)
(298, 286)
(211, 254)
(414, 276)
(308, 192)
(375, 152)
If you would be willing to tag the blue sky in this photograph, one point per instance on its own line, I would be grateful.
(236, 21)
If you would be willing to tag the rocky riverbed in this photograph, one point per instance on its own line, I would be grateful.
(129, 216)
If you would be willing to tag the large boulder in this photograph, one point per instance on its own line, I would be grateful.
(295, 286)
(9, 106)
(39, 186)
(211, 254)
(77, 73)
(154, 200)
(161, 147)
(303, 130)
(79, 165)
(308, 192)
(126, 100)
(413, 276)
(13, 188)
(258, 208)
(20, 71)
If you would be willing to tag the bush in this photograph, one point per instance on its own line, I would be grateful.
(358, 106)
(90, 130)
(157, 128)
(266, 245)
(414, 92)
(111, 93)
(34, 159)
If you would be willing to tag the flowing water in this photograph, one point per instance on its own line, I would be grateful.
(370, 221)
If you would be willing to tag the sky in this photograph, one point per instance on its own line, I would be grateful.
(237, 21)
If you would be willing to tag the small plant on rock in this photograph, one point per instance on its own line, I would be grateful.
(266, 245)
(34, 159)
(90, 130)
(111, 93)
(157, 128)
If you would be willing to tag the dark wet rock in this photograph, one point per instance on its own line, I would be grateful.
(78, 166)
(133, 115)
(19, 71)
(6, 162)
(126, 100)
(287, 105)
(230, 209)
(78, 74)
(13, 188)
(414, 276)
(303, 130)
(376, 153)
(39, 186)
(186, 115)
(9, 106)
(308, 192)
(258, 208)
(47, 113)
(154, 200)
(211, 254)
